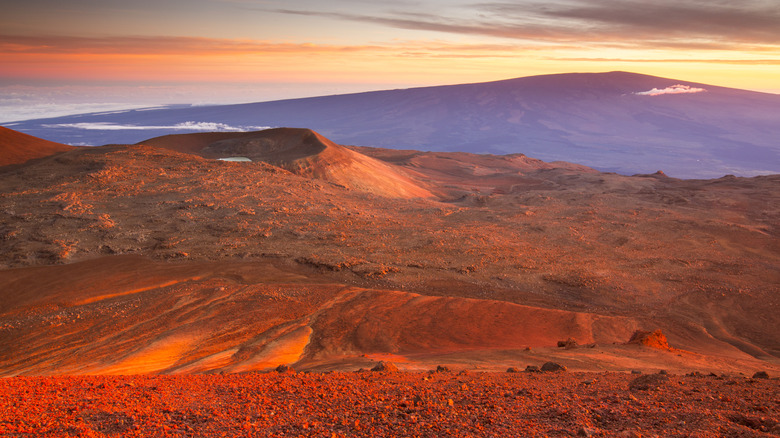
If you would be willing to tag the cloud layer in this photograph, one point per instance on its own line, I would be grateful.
(714, 24)
(186, 126)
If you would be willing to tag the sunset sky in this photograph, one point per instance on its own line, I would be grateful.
(80, 55)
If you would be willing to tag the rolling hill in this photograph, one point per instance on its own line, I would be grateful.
(159, 258)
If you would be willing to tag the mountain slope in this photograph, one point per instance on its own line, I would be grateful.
(608, 121)
(17, 148)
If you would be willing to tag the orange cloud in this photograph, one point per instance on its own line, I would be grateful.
(192, 59)
(198, 59)
(158, 45)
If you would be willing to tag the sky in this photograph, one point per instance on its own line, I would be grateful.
(59, 57)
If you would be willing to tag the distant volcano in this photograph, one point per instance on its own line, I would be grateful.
(622, 122)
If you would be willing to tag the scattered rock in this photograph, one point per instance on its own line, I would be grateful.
(761, 375)
(442, 369)
(512, 370)
(654, 339)
(648, 382)
(552, 367)
(532, 369)
(385, 367)
(551, 404)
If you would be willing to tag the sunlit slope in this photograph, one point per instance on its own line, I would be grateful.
(157, 317)
(17, 148)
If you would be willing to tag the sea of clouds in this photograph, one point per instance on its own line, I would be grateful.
(185, 126)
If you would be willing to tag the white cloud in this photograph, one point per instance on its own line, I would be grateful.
(186, 126)
(14, 110)
(674, 89)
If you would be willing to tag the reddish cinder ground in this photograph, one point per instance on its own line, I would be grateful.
(391, 404)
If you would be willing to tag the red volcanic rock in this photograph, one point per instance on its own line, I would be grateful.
(655, 339)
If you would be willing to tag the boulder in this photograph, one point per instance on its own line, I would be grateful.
(385, 367)
(648, 381)
(284, 369)
(552, 367)
(655, 339)
(568, 344)
(761, 375)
